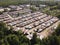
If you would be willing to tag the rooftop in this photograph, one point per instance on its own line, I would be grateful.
(33, 22)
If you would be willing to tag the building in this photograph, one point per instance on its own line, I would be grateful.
(1, 9)
(33, 22)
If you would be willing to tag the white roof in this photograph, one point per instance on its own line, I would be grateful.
(30, 36)
(41, 37)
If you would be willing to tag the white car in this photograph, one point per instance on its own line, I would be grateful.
(40, 30)
(28, 27)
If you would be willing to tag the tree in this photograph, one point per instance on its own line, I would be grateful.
(33, 9)
(58, 40)
(13, 40)
(57, 31)
(1, 34)
(34, 39)
(2, 42)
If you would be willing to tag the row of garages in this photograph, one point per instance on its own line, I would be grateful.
(30, 21)
(33, 22)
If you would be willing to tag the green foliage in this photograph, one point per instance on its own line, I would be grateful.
(34, 39)
(33, 9)
(52, 10)
(13, 39)
(58, 30)
(10, 37)
(11, 2)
